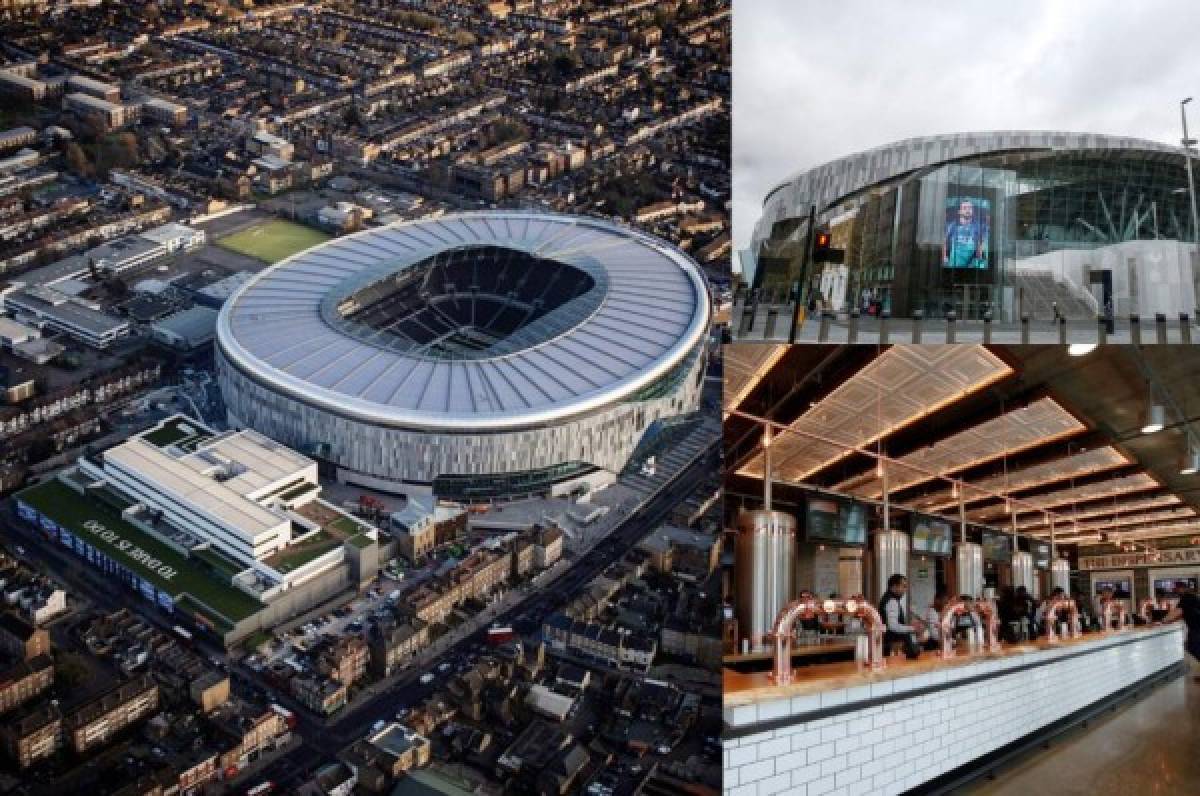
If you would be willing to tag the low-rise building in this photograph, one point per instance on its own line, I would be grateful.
(21, 639)
(386, 754)
(395, 646)
(345, 660)
(32, 735)
(321, 695)
(209, 691)
(40, 604)
(419, 528)
(24, 680)
(246, 732)
(548, 546)
(111, 115)
(100, 719)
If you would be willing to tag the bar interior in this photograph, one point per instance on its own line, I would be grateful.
(953, 550)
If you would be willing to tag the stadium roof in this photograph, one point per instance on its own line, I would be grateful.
(646, 310)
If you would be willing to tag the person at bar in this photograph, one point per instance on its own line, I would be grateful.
(933, 621)
(969, 620)
(1187, 610)
(897, 630)
(1104, 596)
(1040, 614)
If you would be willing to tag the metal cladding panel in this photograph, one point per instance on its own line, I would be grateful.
(829, 182)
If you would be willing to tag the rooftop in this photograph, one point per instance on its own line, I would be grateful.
(305, 327)
(108, 532)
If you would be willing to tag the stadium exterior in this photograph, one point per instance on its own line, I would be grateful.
(474, 356)
(1011, 222)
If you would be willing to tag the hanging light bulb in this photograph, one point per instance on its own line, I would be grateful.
(1154, 418)
(1191, 462)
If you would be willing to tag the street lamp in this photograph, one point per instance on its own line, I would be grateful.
(1187, 156)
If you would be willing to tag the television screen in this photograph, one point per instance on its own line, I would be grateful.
(932, 536)
(834, 521)
(1165, 587)
(853, 519)
(1041, 554)
(1120, 588)
(821, 519)
(997, 546)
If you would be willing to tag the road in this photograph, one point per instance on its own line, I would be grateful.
(323, 739)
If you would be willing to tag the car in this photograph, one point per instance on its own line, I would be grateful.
(20, 550)
(427, 678)
(445, 667)
(401, 714)
(663, 750)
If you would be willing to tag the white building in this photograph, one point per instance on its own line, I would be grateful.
(224, 488)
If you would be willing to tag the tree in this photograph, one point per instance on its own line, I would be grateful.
(77, 160)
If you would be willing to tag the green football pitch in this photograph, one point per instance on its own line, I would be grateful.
(273, 240)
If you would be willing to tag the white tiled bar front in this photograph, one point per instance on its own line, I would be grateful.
(787, 740)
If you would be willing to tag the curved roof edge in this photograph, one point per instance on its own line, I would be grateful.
(378, 414)
(825, 183)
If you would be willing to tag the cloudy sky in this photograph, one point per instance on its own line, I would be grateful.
(817, 79)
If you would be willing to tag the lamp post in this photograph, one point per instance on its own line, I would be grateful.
(1187, 156)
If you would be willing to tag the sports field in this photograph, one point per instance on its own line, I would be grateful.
(273, 240)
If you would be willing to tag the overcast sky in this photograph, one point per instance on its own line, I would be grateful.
(817, 79)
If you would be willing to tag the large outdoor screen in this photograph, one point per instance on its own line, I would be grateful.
(931, 536)
(968, 225)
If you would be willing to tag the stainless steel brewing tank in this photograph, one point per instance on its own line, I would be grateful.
(764, 570)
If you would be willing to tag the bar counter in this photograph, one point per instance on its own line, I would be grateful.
(881, 732)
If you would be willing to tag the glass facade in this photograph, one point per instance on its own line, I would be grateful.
(1077, 233)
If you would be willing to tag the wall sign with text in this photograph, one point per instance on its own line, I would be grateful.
(1159, 558)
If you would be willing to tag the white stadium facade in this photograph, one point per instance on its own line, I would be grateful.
(474, 356)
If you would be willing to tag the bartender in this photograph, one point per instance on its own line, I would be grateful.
(1187, 610)
(896, 627)
(1105, 595)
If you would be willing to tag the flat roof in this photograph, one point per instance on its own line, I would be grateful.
(175, 574)
(651, 310)
(67, 312)
(246, 461)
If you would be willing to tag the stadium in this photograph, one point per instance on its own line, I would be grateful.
(1011, 223)
(473, 356)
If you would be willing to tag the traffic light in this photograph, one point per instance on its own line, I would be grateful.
(823, 251)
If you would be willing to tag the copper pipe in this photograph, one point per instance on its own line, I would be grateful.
(1146, 607)
(1050, 617)
(808, 607)
(1107, 609)
(989, 619)
(991, 623)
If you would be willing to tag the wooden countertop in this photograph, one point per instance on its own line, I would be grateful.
(751, 688)
(798, 651)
